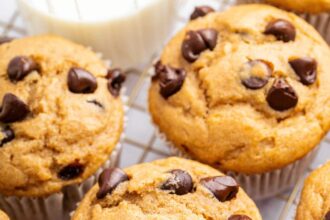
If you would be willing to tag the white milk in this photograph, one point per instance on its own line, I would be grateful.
(128, 32)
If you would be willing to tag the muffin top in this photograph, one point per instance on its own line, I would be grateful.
(315, 198)
(172, 188)
(60, 117)
(304, 6)
(3, 216)
(245, 90)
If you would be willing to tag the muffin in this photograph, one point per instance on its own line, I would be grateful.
(3, 216)
(172, 188)
(316, 12)
(245, 91)
(315, 198)
(61, 118)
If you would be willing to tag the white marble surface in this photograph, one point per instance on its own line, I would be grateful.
(141, 143)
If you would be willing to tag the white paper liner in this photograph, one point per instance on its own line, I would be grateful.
(320, 21)
(264, 185)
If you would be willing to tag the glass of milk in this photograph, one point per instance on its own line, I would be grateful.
(128, 32)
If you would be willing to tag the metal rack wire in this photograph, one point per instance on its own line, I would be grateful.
(142, 144)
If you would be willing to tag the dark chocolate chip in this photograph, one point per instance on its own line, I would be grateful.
(81, 81)
(210, 37)
(224, 188)
(196, 42)
(305, 68)
(170, 79)
(109, 180)
(239, 217)
(8, 135)
(327, 216)
(116, 78)
(13, 109)
(95, 102)
(180, 183)
(71, 171)
(19, 67)
(282, 29)
(201, 11)
(4, 40)
(282, 96)
(259, 72)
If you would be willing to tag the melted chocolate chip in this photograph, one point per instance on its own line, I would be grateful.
(327, 216)
(259, 72)
(224, 188)
(19, 67)
(239, 217)
(81, 81)
(282, 96)
(109, 180)
(283, 30)
(306, 69)
(8, 135)
(201, 11)
(170, 79)
(13, 109)
(180, 183)
(196, 42)
(116, 78)
(71, 171)
(4, 40)
(95, 102)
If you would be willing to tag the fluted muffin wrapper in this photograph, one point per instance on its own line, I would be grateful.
(60, 205)
(263, 185)
(320, 21)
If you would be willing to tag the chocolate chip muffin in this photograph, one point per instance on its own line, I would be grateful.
(316, 12)
(60, 115)
(3, 216)
(315, 199)
(172, 188)
(245, 90)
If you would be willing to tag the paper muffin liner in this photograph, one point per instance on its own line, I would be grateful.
(263, 185)
(320, 21)
(60, 205)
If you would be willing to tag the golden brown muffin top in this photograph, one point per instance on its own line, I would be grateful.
(166, 189)
(59, 121)
(245, 90)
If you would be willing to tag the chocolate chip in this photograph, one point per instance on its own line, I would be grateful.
(259, 72)
(19, 67)
(71, 171)
(95, 102)
(282, 96)
(109, 180)
(4, 40)
(327, 216)
(116, 78)
(239, 217)
(180, 183)
(81, 81)
(8, 135)
(13, 109)
(305, 68)
(196, 42)
(282, 29)
(170, 79)
(201, 11)
(224, 188)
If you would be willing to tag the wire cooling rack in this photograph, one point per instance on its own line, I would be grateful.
(141, 143)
